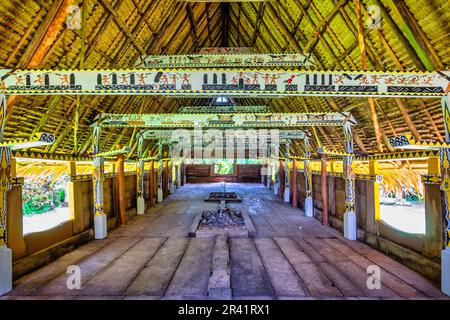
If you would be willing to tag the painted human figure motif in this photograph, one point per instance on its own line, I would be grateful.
(339, 79)
(123, 79)
(39, 80)
(266, 79)
(165, 80)
(273, 79)
(186, 79)
(64, 80)
(105, 80)
(174, 78)
(19, 80)
(141, 78)
(255, 79)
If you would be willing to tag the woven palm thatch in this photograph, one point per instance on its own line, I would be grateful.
(413, 36)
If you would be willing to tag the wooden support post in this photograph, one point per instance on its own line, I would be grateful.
(151, 183)
(372, 200)
(350, 227)
(166, 179)
(287, 181)
(183, 173)
(75, 200)
(433, 240)
(282, 180)
(294, 184)
(160, 194)
(140, 187)
(5, 252)
(98, 176)
(309, 206)
(121, 189)
(324, 189)
(373, 170)
(444, 155)
(140, 201)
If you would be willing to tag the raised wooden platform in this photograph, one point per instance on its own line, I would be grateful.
(290, 257)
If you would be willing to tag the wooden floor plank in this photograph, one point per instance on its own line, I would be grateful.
(190, 281)
(155, 277)
(115, 279)
(248, 275)
(315, 280)
(31, 282)
(387, 279)
(407, 275)
(340, 281)
(89, 267)
(283, 277)
(305, 258)
(359, 278)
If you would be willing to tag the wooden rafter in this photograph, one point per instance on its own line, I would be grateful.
(404, 111)
(193, 29)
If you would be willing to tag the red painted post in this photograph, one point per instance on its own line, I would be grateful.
(294, 184)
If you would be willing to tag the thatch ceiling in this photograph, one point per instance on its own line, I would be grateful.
(34, 34)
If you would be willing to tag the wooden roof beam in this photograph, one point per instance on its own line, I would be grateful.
(193, 29)
(416, 36)
(225, 8)
(42, 41)
(323, 25)
(258, 22)
(404, 111)
(362, 48)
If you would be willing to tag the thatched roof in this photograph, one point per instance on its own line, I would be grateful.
(413, 36)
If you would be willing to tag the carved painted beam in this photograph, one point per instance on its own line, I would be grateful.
(407, 141)
(224, 109)
(40, 139)
(236, 82)
(227, 60)
(113, 153)
(262, 120)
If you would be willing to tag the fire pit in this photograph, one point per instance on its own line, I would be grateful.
(223, 196)
(224, 221)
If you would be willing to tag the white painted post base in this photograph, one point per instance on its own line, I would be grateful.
(268, 182)
(350, 226)
(445, 271)
(171, 188)
(287, 195)
(100, 227)
(275, 188)
(5, 270)
(160, 195)
(309, 208)
(140, 205)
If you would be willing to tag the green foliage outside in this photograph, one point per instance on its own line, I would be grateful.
(43, 196)
(224, 167)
